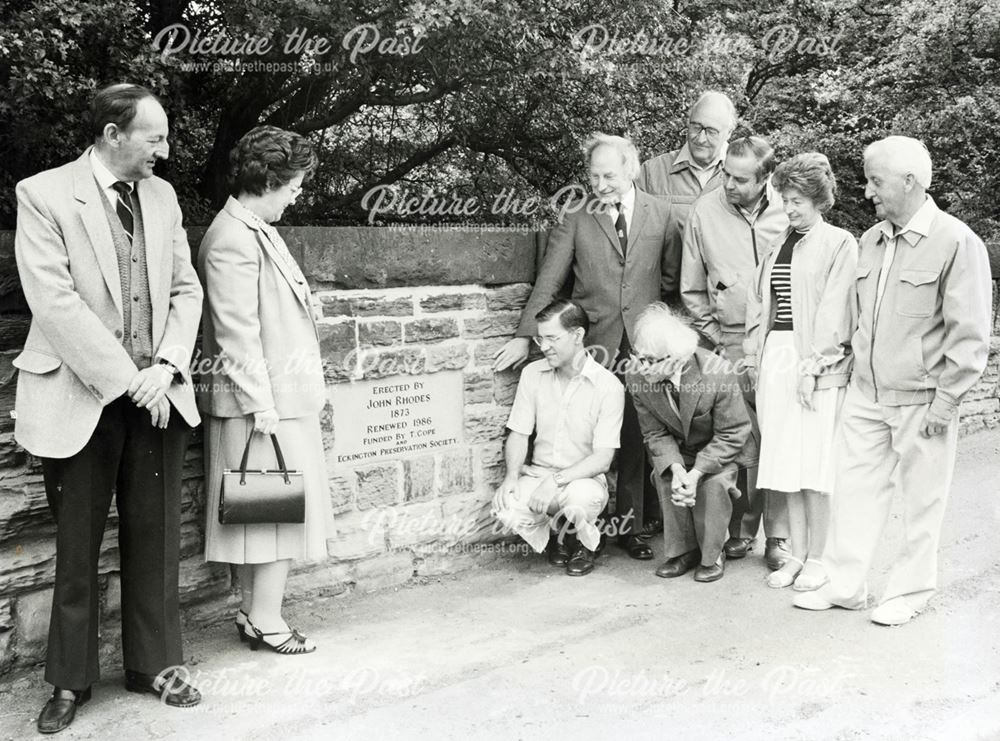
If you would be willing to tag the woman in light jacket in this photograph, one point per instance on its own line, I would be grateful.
(800, 318)
(261, 351)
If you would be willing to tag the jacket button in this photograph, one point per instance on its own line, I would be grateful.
(118, 333)
(135, 298)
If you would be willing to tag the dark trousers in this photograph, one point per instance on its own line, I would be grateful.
(127, 457)
(635, 494)
(702, 527)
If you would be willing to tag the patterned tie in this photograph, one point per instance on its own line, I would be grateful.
(124, 207)
(620, 227)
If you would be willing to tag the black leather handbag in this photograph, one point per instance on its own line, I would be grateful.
(256, 496)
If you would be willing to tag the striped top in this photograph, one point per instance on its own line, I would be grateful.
(781, 283)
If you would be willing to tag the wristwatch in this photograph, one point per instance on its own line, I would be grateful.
(174, 370)
(558, 478)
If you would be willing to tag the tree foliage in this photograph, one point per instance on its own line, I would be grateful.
(474, 98)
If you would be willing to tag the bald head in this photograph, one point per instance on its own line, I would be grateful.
(710, 122)
(905, 156)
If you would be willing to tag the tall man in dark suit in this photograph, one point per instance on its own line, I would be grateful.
(104, 396)
(613, 244)
(699, 432)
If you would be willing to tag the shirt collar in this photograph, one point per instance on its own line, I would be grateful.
(105, 178)
(588, 370)
(918, 226)
(684, 159)
(248, 217)
(628, 200)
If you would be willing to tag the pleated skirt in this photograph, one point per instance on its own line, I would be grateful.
(302, 445)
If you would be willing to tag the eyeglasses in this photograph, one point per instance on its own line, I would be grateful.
(550, 340)
(647, 361)
(696, 129)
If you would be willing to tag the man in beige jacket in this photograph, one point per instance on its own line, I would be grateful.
(727, 234)
(924, 297)
(104, 395)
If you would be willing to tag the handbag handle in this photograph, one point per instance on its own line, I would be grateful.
(282, 468)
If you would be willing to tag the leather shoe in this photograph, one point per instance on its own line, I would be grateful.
(679, 565)
(737, 547)
(776, 553)
(169, 686)
(713, 572)
(60, 709)
(582, 562)
(636, 547)
(557, 551)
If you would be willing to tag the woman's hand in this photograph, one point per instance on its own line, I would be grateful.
(807, 384)
(266, 421)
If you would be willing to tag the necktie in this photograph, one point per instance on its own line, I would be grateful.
(124, 207)
(672, 390)
(620, 227)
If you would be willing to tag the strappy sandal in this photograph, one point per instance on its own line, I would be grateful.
(241, 627)
(810, 584)
(294, 644)
(780, 579)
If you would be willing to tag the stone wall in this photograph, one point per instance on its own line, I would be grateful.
(411, 516)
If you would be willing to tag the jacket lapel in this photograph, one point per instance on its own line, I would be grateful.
(603, 218)
(299, 289)
(691, 378)
(640, 212)
(95, 222)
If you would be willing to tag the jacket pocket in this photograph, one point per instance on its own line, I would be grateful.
(917, 292)
(35, 361)
(731, 299)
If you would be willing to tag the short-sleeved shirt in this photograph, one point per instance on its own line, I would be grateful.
(570, 421)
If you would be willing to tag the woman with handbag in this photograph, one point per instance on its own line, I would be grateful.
(265, 376)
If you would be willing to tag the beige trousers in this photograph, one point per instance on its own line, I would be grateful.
(880, 450)
(580, 502)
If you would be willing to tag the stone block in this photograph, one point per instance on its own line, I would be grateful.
(321, 581)
(380, 572)
(486, 350)
(478, 386)
(430, 330)
(455, 471)
(379, 485)
(31, 623)
(412, 524)
(452, 356)
(445, 561)
(343, 492)
(338, 349)
(469, 519)
(385, 363)
(484, 423)
(495, 324)
(359, 535)
(27, 565)
(201, 580)
(983, 406)
(418, 479)
(112, 601)
(380, 333)
(336, 304)
(453, 302)
(505, 387)
(508, 298)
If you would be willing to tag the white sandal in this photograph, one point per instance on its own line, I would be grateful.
(780, 579)
(807, 584)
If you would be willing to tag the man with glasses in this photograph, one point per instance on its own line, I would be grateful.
(698, 432)
(574, 405)
(725, 236)
(679, 177)
(613, 245)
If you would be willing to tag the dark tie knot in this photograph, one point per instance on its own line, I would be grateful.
(123, 189)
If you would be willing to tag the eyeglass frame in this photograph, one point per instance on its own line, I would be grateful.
(711, 133)
(538, 339)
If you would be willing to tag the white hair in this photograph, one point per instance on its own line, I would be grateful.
(660, 332)
(906, 155)
(714, 96)
(624, 147)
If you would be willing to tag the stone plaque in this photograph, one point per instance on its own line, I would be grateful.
(396, 416)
